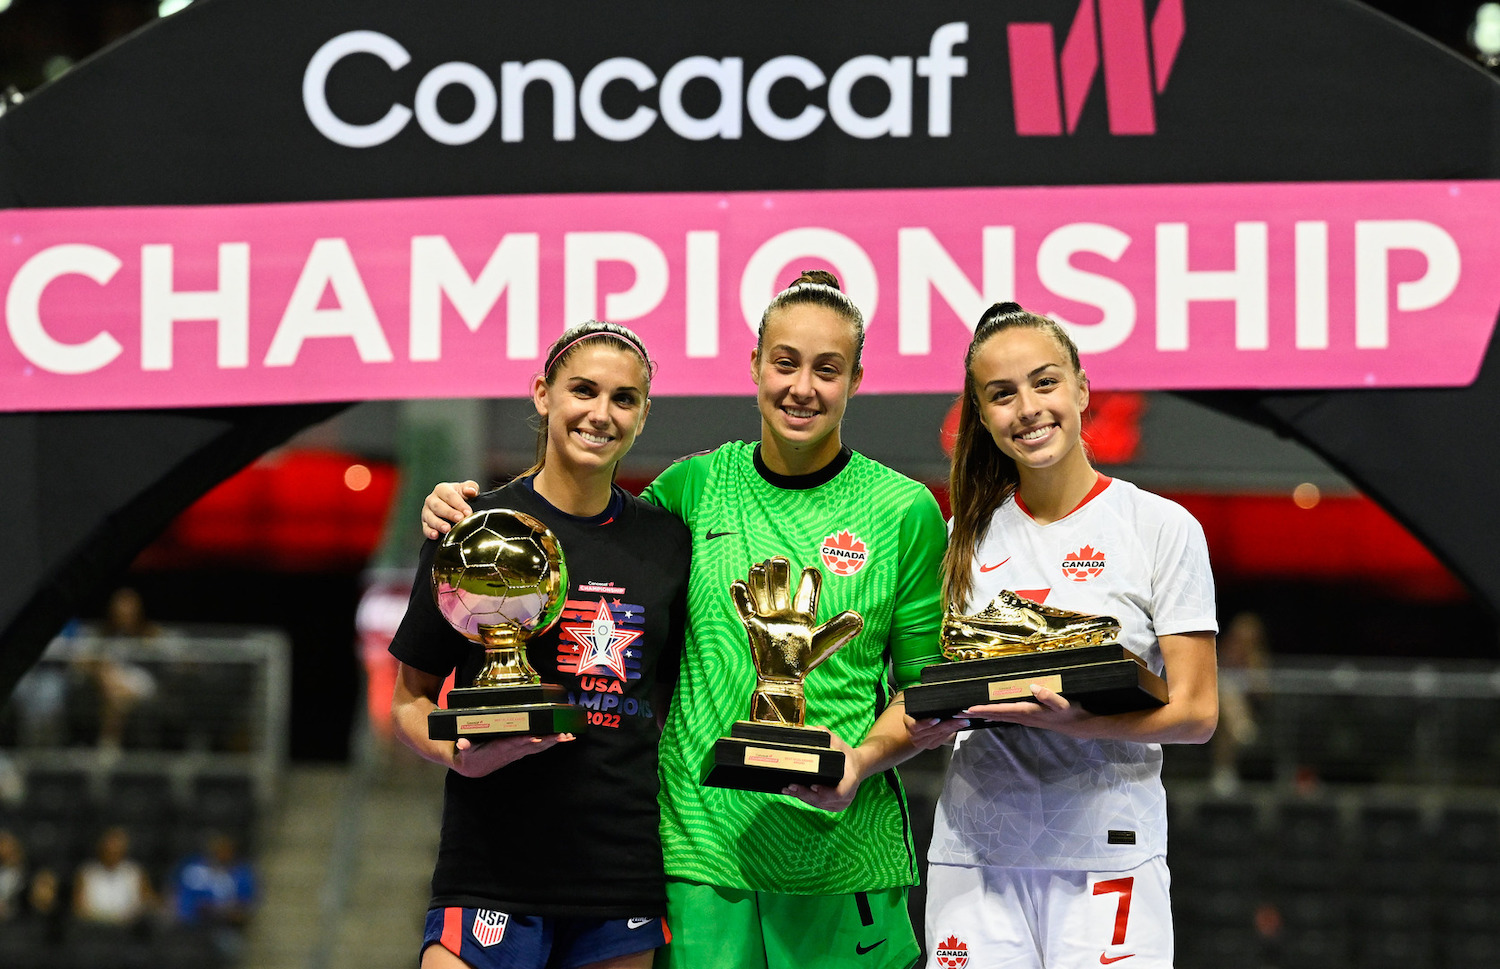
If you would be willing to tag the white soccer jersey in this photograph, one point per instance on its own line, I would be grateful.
(1023, 797)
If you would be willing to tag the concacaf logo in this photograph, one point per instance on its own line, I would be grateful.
(844, 553)
(1084, 564)
(951, 953)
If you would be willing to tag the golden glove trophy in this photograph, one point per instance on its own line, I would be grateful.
(773, 749)
(499, 577)
(997, 653)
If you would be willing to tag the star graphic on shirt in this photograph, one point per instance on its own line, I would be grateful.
(603, 643)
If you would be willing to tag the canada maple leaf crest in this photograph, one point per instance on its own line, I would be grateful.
(844, 553)
(951, 953)
(1084, 564)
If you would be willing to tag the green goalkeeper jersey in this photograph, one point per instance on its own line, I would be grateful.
(877, 537)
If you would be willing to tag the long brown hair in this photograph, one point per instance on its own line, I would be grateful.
(982, 477)
(564, 348)
(818, 287)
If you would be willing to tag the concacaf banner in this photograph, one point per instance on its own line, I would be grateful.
(519, 170)
(1164, 287)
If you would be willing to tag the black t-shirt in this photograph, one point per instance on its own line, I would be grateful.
(573, 830)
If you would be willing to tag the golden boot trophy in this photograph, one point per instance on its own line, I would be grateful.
(773, 748)
(996, 654)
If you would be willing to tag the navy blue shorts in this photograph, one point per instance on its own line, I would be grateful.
(486, 939)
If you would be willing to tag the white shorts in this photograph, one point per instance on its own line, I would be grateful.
(1028, 918)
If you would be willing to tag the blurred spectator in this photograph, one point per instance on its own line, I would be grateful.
(125, 617)
(12, 782)
(215, 889)
(45, 905)
(1244, 663)
(41, 695)
(375, 621)
(122, 684)
(29, 900)
(215, 885)
(111, 887)
(12, 876)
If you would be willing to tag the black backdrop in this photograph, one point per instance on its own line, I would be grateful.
(206, 107)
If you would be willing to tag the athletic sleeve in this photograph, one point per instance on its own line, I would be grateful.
(917, 615)
(1182, 581)
(676, 489)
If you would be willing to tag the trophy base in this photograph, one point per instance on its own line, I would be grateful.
(767, 757)
(482, 712)
(1101, 679)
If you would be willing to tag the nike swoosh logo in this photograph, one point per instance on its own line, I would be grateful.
(991, 568)
(1105, 960)
(636, 923)
(711, 534)
(860, 950)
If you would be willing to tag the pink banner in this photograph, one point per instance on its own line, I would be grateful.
(1165, 287)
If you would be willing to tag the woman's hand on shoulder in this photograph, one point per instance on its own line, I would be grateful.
(446, 506)
(476, 760)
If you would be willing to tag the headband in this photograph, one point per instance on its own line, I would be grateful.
(640, 351)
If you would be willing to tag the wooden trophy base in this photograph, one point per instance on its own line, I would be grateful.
(766, 757)
(482, 712)
(1101, 679)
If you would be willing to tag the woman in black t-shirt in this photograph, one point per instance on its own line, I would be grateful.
(550, 853)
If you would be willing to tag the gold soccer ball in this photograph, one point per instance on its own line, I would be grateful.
(499, 568)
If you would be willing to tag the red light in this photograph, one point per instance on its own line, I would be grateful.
(357, 477)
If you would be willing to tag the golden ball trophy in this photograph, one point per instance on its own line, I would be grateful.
(499, 578)
(997, 653)
(773, 748)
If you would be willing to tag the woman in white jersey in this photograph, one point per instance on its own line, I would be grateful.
(1049, 845)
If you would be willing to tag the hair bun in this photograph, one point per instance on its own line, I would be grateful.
(821, 277)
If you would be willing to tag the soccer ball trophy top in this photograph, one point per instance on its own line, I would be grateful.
(499, 578)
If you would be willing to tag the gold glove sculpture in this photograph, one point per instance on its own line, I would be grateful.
(773, 749)
(785, 641)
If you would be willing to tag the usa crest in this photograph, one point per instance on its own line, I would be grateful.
(489, 927)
